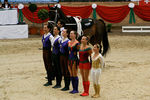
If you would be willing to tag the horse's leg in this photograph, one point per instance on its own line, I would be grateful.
(99, 33)
(103, 37)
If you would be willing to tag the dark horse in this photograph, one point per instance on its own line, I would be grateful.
(96, 30)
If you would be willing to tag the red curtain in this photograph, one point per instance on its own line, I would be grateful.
(84, 11)
(110, 14)
(143, 12)
(29, 15)
(113, 14)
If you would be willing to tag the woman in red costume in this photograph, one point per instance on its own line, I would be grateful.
(73, 47)
(84, 64)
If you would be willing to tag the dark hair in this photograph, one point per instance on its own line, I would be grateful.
(49, 26)
(57, 27)
(75, 32)
(61, 22)
(100, 47)
(66, 30)
(87, 38)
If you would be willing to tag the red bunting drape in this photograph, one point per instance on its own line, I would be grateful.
(143, 12)
(29, 15)
(110, 14)
(83, 12)
(113, 14)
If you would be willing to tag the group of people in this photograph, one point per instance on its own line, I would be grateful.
(5, 4)
(60, 55)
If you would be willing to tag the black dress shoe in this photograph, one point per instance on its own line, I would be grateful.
(64, 89)
(57, 86)
(53, 78)
(48, 84)
(46, 77)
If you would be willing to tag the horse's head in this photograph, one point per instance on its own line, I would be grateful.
(53, 15)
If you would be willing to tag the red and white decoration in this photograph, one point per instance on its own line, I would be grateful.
(144, 2)
(109, 14)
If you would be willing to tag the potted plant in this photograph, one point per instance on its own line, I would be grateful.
(32, 8)
(109, 27)
(43, 14)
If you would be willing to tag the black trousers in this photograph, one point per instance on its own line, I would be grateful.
(57, 68)
(64, 65)
(48, 64)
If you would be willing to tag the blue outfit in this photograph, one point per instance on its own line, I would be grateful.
(56, 60)
(64, 47)
(64, 63)
(56, 47)
(73, 53)
(47, 56)
(46, 42)
(73, 61)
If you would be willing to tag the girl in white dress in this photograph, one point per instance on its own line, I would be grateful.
(97, 64)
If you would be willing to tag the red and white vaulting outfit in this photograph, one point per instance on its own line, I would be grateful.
(84, 61)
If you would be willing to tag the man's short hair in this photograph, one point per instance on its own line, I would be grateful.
(62, 22)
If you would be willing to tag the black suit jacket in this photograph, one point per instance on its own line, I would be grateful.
(3, 5)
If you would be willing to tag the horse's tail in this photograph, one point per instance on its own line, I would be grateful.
(105, 41)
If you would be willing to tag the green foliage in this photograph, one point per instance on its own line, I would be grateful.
(109, 27)
(32, 7)
(43, 14)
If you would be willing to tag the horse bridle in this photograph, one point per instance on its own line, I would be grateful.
(56, 16)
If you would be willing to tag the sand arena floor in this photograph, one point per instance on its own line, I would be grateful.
(126, 75)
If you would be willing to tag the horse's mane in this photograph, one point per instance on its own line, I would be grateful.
(62, 15)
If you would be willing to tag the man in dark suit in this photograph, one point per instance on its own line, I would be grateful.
(6, 4)
(0, 4)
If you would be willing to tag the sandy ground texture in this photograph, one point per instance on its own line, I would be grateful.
(126, 75)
